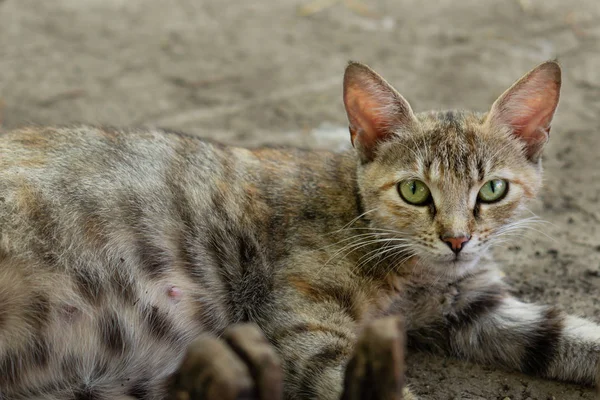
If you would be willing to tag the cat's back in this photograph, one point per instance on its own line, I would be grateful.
(95, 167)
(67, 178)
(42, 151)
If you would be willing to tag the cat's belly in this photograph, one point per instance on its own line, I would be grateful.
(88, 332)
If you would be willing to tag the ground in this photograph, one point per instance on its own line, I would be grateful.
(268, 71)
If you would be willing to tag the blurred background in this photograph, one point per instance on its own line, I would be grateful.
(267, 71)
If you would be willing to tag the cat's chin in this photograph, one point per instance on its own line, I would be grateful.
(454, 266)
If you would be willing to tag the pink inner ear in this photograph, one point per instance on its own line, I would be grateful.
(528, 107)
(374, 109)
(534, 123)
(365, 117)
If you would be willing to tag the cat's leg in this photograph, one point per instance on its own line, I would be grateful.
(316, 343)
(315, 325)
(484, 323)
(243, 365)
(314, 333)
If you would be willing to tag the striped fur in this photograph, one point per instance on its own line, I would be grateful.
(482, 322)
(118, 248)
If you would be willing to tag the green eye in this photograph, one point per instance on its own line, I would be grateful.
(414, 192)
(493, 190)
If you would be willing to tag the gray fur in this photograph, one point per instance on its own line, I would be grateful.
(119, 247)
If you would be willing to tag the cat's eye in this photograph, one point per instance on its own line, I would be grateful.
(493, 191)
(414, 192)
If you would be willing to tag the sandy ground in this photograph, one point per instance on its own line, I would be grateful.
(262, 72)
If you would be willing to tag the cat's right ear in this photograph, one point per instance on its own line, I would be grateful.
(375, 109)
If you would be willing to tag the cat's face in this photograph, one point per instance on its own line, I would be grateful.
(447, 185)
(449, 178)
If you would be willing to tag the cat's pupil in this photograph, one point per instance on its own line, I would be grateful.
(493, 186)
(413, 187)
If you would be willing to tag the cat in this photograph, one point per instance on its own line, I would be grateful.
(121, 248)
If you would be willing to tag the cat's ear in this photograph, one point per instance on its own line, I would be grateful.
(375, 109)
(528, 106)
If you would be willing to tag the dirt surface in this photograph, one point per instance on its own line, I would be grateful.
(265, 72)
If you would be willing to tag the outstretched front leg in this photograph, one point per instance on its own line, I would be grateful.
(482, 322)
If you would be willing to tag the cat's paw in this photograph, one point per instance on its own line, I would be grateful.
(241, 365)
(376, 370)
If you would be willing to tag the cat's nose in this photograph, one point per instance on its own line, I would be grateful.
(456, 243)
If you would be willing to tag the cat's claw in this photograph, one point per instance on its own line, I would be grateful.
(242, 366)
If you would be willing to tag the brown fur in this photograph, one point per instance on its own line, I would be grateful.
(119, 247)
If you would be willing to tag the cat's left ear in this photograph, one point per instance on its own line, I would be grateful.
(375, 109)
(528, 106)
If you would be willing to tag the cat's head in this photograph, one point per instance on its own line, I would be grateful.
(445, 185)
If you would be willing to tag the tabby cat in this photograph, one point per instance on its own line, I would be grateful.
(118, 248)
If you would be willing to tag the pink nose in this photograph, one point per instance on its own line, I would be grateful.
(456, 243)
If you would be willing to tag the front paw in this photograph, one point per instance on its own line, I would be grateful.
(376, 371)
(241, 366)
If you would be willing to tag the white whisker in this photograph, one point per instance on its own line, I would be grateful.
(354, 220)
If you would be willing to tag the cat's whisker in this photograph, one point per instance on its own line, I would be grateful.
(395, 261)
(360, 241)
(514, 236)
(355, 245)
(540, 220)
(379, 253)
(389, 242)
(390, 253)
(404, 254)
(349, 224)
(512, 232)
(526, 224)
(354, 237)
(504, 243)
(350, 248)
(511, 229)
(520, 224)
(399, 233)
(511, 237)
(501, 244)
(371, 256)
